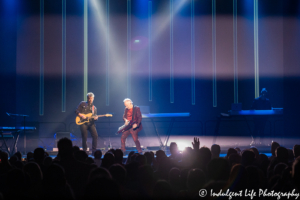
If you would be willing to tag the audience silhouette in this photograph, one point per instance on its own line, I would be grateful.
(75, 175)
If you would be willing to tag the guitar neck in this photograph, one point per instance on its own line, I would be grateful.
(79, 120)
(101, 115)
(97, 116)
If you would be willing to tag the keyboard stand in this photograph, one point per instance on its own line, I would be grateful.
(5, 137)
(173, 116)
(15, 143)
(4, 141)
(219, 119)
(157, 134)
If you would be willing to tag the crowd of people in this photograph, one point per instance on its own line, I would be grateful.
(75, 175)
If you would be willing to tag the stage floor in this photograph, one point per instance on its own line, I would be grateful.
(153, 144)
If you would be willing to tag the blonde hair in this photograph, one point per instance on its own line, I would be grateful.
(90, 94)
(127, 99)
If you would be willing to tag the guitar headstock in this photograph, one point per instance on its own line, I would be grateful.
(108, 115)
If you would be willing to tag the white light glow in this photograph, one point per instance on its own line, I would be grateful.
(114, 52)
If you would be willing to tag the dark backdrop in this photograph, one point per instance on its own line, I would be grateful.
(20, 59)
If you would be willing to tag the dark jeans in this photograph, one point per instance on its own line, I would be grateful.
(84, 128)
(134, 134)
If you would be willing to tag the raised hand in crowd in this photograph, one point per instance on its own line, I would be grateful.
(196, 143)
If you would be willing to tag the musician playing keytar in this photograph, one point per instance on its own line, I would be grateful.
(132, 113)
(86, 107)
(260, 103)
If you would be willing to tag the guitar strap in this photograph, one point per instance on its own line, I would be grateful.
(93, 108)
(132, 113)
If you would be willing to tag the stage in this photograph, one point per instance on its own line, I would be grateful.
(185, 141)
(189, 57)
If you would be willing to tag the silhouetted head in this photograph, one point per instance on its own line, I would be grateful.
(218, 169)
(39, 154)
(65, 147)
(160, 155)
(102, 188)
(274, 146)
(54, 176)
(4, 157)
(132, 169)
(291, 155)
(204, 156)
(248, 157)
(19, 155)
(255, 151)
(81, 155)
(98, 154)
(145, 175)
(279, 168)
(238, 150)
(13, 160)
(230, 151)
(296, 150)
(48, 161)
(264, 93)
(173, 148)
(235, 159)
(29, 156)
(148, 158)
(129, 158)
(253, 177)
(18, 164)
(174, 175)
(112, 151)
(238, 179)
(76, 148)
(89, 160)
(141, 159)
(296, 172)
(108, 160)
(34, 171)
(118, 173)
(99, 172)
(216, 186)
(282, 154)
(215, 150)
(262, 157)
(162, 190)
(196, 179)
(15, 180)
(119, 156)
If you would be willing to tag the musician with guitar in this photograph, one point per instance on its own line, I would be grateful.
(86, 114)
(133, 118)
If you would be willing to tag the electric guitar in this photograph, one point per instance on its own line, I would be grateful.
(89, 116)
(125, 127)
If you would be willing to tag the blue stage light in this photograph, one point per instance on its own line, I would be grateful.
(248, 7)
(9, 5)
(140, 8)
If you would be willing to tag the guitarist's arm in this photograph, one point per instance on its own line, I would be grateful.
(124, 117)
(95, 113)
(78, 110)
(82, 115)
(138, 116)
